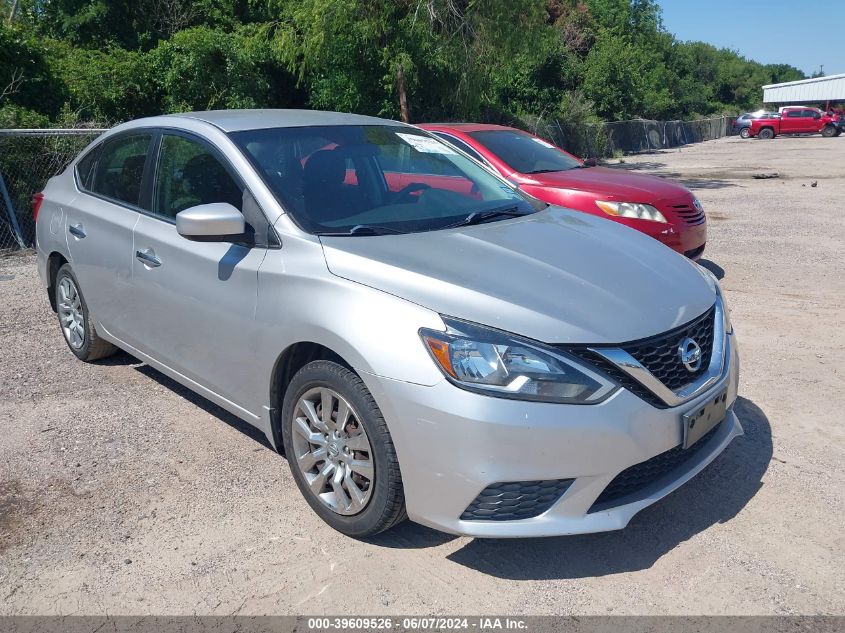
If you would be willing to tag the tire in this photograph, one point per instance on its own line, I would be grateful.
(829, 131)
(75, 319)
(766, 134)
(744, 133)
(366, 470)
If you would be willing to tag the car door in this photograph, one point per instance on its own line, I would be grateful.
(99, 223)
(194, 302)
(812, 120)
(793, 122)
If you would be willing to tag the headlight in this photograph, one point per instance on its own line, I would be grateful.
(495, 363)
(633, 210)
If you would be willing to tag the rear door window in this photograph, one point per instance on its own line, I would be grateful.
(119, 171)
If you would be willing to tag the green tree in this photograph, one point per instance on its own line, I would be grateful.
(204, 69)
(106, 86)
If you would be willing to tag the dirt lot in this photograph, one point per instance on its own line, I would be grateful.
(122, 493)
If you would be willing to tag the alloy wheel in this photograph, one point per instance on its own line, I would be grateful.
(332, 451)
(70, 313)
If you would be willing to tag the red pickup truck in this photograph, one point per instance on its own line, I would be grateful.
(798, 120)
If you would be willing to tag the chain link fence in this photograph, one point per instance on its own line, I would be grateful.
(625, 137)
(28, 159)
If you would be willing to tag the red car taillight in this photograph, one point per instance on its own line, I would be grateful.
(37, 199)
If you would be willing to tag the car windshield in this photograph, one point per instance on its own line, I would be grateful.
(376, 179)
(525, 153)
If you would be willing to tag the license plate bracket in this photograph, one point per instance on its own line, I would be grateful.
(697, 422)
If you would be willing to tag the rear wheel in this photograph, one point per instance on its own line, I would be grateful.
(829, 131)
(766, 133)
(744, 133)
(340, 451)
(75, 319)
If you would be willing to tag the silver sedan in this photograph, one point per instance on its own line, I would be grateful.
(416, 335)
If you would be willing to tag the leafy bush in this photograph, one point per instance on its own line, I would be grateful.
(206, 69)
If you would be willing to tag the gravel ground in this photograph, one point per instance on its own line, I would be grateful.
(123, 493)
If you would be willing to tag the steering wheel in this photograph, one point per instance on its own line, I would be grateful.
(408, 190)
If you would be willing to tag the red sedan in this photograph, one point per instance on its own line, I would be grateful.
(660, 208)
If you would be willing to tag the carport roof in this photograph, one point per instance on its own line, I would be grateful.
(818, 89)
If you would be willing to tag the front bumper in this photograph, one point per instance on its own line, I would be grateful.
(452, 444)
(684, 238)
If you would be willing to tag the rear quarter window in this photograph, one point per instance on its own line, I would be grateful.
(85, 167)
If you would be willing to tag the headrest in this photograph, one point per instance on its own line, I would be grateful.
(325, 167)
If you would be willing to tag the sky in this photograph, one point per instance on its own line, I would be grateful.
(805, 34)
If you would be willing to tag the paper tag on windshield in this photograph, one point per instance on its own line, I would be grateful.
(426, 144)
(542, 142)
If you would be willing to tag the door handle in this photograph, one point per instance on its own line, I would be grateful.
(77, 230)
(148, 258)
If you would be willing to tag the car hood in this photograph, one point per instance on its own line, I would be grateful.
(556, 276)
(612, 184)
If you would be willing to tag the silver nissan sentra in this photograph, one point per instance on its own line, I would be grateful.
(419, 337)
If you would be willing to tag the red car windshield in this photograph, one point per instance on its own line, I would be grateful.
(525, 153)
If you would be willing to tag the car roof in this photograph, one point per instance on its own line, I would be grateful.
(241, 120)
(463, 127)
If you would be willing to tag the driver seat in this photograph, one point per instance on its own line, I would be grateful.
(327, 197)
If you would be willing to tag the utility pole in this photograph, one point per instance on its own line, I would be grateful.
(13, 11)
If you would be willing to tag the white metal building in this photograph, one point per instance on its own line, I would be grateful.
(807, 91)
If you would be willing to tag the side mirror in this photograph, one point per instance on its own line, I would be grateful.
(590, 162)
(816, 115)
(216, 222)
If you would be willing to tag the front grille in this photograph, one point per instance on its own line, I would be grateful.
(689, 214)
(618, 376)
(632, 480)
(510, 501)
(660, 354)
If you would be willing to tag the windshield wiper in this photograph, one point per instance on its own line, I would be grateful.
(366, 229)
(546, 171)
(479, 217)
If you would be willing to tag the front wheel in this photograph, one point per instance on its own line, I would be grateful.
(766, 134)
(75, 319)
(340, 451)
(744, 133)
(829, 131)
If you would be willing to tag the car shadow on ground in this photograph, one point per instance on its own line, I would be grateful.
(652, 168)
(705, 183)
(716, 495)
(206, 405)
(713, 267)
